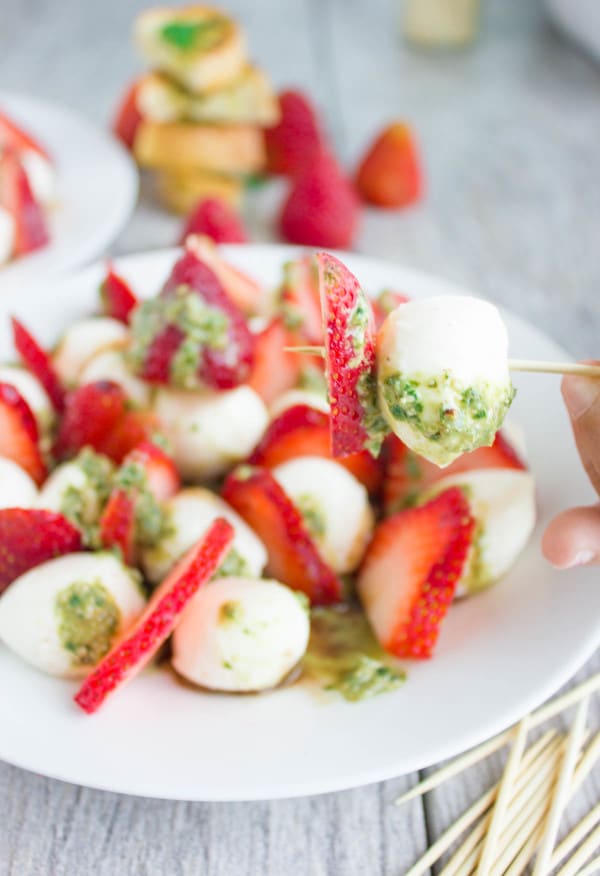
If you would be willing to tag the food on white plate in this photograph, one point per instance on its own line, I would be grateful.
(41, 175)
(241, 634)
(502, 501)
(334, 506)
(65, 615)
(181, 436)
(7, 235)
(82, 341)
(442, 373)
(17, 488)
(187, 515)
(209, 431)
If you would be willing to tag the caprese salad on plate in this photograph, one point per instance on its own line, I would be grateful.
(181, 485)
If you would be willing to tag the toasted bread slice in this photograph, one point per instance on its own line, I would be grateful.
(180, 191)
(249, 99)
(198, 46)
(229, 149)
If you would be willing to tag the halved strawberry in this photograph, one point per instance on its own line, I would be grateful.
(13, 136)
(410, 572)
(92, 412)
(16, 196)
(117, 525)
(406, 474)
(128, 117)
(293, 557)
(246, 293)
(39, 362)
(19, 438)
(390, 174)
(384, 303)
(304, 431)
(161, 616)
(118, 300)
(131, 430)
(349, 328)
(29, 537)
(162, 477)
(274, 370)
(299, 299)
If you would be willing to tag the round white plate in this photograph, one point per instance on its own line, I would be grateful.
(97, 189)
(499, 655)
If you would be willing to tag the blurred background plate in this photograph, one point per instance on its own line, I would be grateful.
(96, 190)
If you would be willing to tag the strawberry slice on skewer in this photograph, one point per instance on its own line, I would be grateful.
(349, 329)
(293, 558)
(274, 370)
(118, 299)
(411, 570)
(164, 611)
(92, 412)
(16, 196)
(299, 299)
(13, 136)
(39, 362)
(117, 525)
(29, 537)
(160, 471)
(19, 437)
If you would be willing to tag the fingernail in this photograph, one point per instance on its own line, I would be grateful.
(581, 558)
(579, 394)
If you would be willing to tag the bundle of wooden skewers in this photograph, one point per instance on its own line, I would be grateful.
(516, 823)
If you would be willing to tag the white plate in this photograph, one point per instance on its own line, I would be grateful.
(96, 190)
(500, 654)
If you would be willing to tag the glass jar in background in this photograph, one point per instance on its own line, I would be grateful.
(440, 23)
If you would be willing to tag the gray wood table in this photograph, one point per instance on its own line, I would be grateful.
(510, 133)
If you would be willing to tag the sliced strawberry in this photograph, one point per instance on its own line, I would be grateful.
(19, 439)
(245, 292)
(118, 300)
(407, 475)
(13, 136)
(16, 196)
(29, 537)
(217, 219)
(117, 525)
(274, 370)
(127, 117)
(390, 173)
(410, 572)
(91, 414)
(293, 557)
(131, 430)
(304, 431)
(349, 329)
(385, 302)
(39, 362)
(161, 616)
(161, 473)
(300, 301)
(160, 353)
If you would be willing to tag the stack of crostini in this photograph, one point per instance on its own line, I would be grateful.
(199, 114)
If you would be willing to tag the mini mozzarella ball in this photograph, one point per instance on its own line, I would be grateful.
(502, 501)
(241, 634)
(188, 515)
(334, 505)
(64, 615)
(7, 235)
(111, 365)
(294, 397)
(41, 176)
(33, 394)
(17, 489)
(208, 432)
(82, 341)
(443, 379)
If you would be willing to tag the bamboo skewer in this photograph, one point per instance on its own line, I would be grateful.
(563, 783)
(585, 851)
(533, 366)
(575, 836)
(592, 867)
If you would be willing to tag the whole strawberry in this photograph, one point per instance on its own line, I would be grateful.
(297, 138)
(217, 220)
(322, 208)
(390, 174)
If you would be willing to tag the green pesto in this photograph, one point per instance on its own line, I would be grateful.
(88, 621)
(458, 418)
(152, 522)
(231, 612)
(358, 326)
(343, 655)
(203, 327)
(312, 514)
(83, 507)
(198, 36)
(233, 566)
(374, 423)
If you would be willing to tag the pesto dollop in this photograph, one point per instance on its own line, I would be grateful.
(373, 421)
(83, 507)
(152, 522)
(344, 656)
(233, 566)
(88, 621)
(197, 36)
(312, 514)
